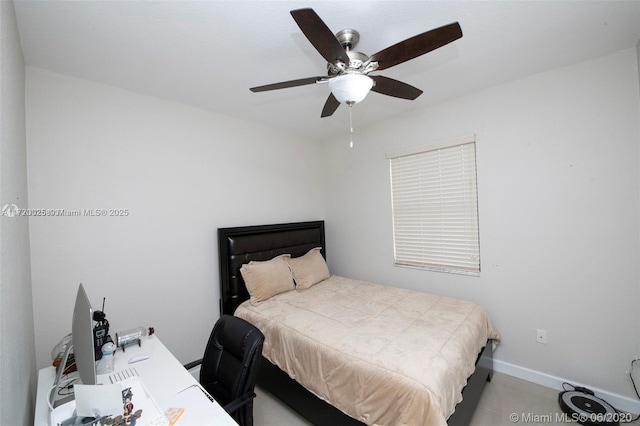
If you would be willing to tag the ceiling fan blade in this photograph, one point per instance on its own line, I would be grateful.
(389, 86)
(286, 84)
(330, 106)
(320, 35)
(416, 46)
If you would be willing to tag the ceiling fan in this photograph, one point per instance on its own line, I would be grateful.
(348, 70)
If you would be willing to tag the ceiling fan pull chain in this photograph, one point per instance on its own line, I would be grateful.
(350, 125)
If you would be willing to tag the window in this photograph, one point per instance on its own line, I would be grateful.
(435, 206)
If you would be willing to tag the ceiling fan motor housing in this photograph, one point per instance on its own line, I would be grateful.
(348, 38)
(356, 59)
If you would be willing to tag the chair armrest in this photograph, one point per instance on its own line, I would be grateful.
(193, 364)
(239, 402)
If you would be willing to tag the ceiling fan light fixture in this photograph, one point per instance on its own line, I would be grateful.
(350, 88)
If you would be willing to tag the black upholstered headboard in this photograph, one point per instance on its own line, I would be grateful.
(240, 245)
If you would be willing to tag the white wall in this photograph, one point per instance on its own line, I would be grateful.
(558, 176)
(181, 172)
(17, 357)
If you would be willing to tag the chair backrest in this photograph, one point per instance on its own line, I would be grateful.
(231, 359)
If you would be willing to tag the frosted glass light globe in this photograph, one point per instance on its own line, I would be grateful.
(350, 88)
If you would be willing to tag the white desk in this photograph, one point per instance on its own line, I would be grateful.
(167, 381)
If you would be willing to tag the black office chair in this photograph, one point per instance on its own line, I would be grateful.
(230, 364)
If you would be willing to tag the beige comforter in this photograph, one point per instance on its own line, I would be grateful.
(383, 355)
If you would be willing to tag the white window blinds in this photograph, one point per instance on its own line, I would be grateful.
(435, 206)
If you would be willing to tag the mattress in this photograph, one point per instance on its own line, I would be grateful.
(383, 355)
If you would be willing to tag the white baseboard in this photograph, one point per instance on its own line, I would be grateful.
(618, 401)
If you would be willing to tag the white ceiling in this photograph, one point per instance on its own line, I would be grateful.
(208, 53)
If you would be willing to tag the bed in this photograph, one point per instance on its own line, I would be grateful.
(370, 378)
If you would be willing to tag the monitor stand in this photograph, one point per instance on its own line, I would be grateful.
(56, 383)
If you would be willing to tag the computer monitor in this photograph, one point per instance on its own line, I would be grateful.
(82, 336)
(82, 345)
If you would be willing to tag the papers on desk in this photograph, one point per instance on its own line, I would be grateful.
(150, 414)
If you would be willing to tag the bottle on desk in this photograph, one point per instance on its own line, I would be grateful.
(105, 364)
(134, 335)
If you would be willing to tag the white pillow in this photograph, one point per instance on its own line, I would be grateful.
(309, 270)
(266, 279)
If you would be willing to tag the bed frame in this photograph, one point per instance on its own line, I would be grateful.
(241, 245)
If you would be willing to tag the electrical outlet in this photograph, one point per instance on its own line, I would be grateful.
(541, 336)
